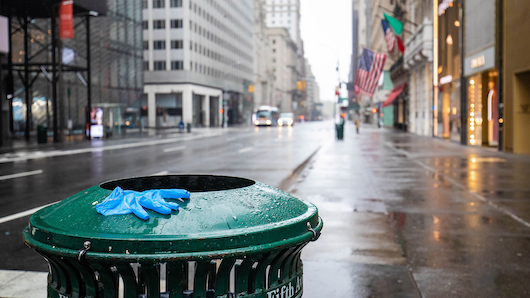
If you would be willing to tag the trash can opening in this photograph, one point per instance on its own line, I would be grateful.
(192, 183)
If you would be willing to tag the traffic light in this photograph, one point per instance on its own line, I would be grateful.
(251, 88)
(301, 85)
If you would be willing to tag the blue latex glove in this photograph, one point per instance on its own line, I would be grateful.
(127, 201)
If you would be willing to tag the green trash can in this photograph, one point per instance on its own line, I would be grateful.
(188, 127)
(42, 134)
(339, 127)
(234, 238)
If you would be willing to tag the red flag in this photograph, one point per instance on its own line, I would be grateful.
(401, 46)
(66, 19)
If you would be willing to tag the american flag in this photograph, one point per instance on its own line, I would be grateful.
(370, 67)
(389, 36)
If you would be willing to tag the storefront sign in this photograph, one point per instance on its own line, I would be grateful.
(479, 62)
(443, 6)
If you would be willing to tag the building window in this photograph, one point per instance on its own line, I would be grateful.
(274, 50)
(177, 44)
(159, 24)
(159, 3)
(146, 65)
(274, 41)
(145, 25)
(159, 65)
(273, 59)
(177, 65)
(146, 45)
(144, 4)
(175, 3)
(159, 45)
(176, 23)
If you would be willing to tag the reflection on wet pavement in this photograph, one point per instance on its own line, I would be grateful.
(457, 222)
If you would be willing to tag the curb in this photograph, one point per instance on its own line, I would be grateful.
(288, 181)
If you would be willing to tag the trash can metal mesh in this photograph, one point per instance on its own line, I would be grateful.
(234, 238)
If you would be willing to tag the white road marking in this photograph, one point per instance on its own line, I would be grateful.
(245, 150)
(174, 149)
(23, 156)
(160, 173)
(23, 213)
(24, 174)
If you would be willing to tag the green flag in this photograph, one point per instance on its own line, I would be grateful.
(396, 25)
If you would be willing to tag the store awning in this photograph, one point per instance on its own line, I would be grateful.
(394, 94)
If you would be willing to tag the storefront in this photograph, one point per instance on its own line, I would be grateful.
(483, 112)
(481, 75)
(447, 64)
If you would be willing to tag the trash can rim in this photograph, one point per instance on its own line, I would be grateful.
(74, 220)
(161, 256)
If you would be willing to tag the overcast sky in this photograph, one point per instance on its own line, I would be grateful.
(327, 34)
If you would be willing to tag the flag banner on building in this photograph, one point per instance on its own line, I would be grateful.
(396, 25)
(400, 45)
(66, 19)
(389, 36)
(370, 67)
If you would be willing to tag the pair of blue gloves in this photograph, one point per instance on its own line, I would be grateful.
(128, 201)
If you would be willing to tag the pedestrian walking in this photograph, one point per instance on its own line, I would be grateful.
(357, 122)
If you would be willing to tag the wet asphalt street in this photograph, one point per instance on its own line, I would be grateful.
(404, 216)
(268, 155)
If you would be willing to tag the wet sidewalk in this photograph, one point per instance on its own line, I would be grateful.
(411, 216)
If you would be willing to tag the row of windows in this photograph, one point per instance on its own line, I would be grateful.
(210, 71)
(281, 22)
(221, 25)
(212, 37)
(161, 65)
(216, 56)
(161, 24)
(228, 16)
(162, 3)
(161, 44)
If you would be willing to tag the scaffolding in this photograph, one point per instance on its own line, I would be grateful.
(40, 56)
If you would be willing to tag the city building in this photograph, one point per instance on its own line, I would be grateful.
(418, 60)
(312, 91)
(284, 66)
(263, 75)
(513, 59)
(285, 14)
(193, 51)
